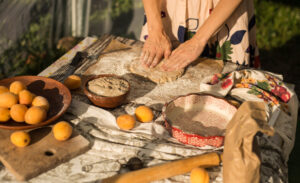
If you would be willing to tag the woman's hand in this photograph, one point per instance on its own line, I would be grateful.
(190, 50)
(157, 46)
(182, 56)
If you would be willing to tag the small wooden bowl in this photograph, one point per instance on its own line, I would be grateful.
(57, 94)
(103, 101)
(198, 119)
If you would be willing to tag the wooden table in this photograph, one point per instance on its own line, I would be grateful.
(112, 148)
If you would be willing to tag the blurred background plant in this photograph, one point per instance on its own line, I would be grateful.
(31, 30)
(34, 33)
(22, 55)
(277, 22)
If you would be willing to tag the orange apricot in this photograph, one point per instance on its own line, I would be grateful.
(73, 82)
(35, 115)
(25, 97)
(126, 122)
(41, 101)
(199, 175)
(4, 114)
(62, 130)
(16, 86)
(17, 112)
(8, 99)
(144, 114)
(20, 138)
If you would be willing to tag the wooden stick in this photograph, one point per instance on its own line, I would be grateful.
(166, 170)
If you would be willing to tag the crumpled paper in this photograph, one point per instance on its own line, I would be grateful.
(241, 164)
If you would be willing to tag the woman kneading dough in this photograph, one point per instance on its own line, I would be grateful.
(220, 29)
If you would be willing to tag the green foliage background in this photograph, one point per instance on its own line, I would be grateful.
(34, 50)
(277, 22)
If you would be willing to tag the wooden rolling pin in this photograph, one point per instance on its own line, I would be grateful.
(166, 170)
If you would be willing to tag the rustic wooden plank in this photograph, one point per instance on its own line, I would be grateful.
(43, 153)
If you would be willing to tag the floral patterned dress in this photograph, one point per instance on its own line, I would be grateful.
(235, 41)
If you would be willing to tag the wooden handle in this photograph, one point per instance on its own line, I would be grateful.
(166, 170)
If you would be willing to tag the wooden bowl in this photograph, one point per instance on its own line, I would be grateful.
(198, 120)
(104, 101)
(56, 93)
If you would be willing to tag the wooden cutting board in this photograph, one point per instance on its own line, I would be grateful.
(43, 153)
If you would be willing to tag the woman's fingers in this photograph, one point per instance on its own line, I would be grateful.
(146, 56)
(183, 64)
(176, 61)
(142, 55)
(176, 52)
(174, 56)
(183, 56)
(175, 65)
(167, 64)
(157, 58)
(155, 48)
(167, 53)
(150, 59)
(170, 63)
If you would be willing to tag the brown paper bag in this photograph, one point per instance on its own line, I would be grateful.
(240, 163)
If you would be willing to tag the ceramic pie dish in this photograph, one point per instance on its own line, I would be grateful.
(198, 119)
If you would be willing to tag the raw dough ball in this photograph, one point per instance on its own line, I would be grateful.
(154, 74)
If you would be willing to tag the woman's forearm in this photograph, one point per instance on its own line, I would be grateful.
(152, 10)
(158, 44)
(219, 15)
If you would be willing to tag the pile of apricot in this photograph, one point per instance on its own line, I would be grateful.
(21, 105)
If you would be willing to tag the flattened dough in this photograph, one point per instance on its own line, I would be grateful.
(154, 74)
